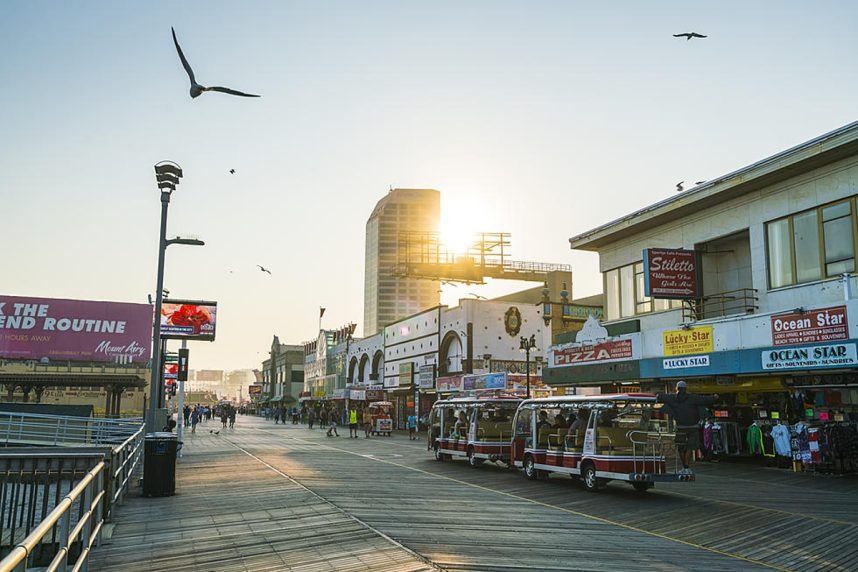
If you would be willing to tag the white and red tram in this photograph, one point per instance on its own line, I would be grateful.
(597, 437)
(476, 428)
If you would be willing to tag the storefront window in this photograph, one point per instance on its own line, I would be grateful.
(839, 245)
(811, 245)
(625, 295)
(780, 263)
(805, 234)
(612, 293)
(627, 292)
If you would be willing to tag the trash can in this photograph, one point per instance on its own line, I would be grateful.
(159, 464)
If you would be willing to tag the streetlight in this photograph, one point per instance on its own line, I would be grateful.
(526, 344)
(167, 173)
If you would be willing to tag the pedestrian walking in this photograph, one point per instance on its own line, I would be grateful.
(276, 416)
(195, 418)
(412, 427)
(367, 422)
(684, 409)
(353, 423)
(231, 417)
(223, 417)
(323, 418)
(332, 427)
(311, 418)
(186, 415)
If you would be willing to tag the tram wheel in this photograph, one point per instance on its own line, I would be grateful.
(473, 461)
(591, 481)
(530, 471)
(642, 487)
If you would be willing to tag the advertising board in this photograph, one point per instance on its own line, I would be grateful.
(188, 319)
(810, 326)
(406, 374)
(426, 376)
(829, 355)
(671, 273)
(254, 389)
(74, 330)
(449, 383)
(171, 371)
(485, 381)
(616, 349)
(696, 340)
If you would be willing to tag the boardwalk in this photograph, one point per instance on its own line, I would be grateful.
(266, 497)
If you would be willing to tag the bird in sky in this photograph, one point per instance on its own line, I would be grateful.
(699, 182)
(232, 171)
(679, 187)
(263, 269)
(197, 89)
(477, 296)
(689, 35)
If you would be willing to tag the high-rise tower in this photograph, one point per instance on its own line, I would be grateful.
(387, 297)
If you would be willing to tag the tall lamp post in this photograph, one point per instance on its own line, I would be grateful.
(167, 173)
(526, 344)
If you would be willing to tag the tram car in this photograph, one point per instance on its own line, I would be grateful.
(598, 438)
(478, 429)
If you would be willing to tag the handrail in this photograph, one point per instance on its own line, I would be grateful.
(90, 502)
(37, 428)
(21, 552)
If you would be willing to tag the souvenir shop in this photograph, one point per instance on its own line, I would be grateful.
(802, 422)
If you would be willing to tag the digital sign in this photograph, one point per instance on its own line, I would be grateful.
(190, 320)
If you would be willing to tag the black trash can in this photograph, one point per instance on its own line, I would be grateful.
(159, 464)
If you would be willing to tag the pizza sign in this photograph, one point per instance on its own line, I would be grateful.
(606, 351)
(671, 273)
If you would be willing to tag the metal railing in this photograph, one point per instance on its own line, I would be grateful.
(18, 428)
(653, 452)
(741, 301)
(55, 501)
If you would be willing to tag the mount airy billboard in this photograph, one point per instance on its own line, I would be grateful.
(74, 330)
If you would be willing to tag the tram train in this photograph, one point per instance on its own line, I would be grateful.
(597, 438)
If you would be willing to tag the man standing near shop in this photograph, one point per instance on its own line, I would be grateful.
(684, 409)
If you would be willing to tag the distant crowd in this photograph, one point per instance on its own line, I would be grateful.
(330, 416)
(226, 412)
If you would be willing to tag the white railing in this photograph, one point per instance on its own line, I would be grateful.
(32, 481)
(17, 428)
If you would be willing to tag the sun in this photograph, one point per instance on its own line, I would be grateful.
(456, 237)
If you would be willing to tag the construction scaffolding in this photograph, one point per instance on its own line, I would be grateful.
(424, 255)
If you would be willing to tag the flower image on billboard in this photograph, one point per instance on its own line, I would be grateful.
(74, 330)
(183, 319)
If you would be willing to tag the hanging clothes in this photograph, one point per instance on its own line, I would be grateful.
(717, 438)
(755, 440)
(707, 436)
(780, 434)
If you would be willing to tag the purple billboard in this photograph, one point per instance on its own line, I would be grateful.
(78, 330)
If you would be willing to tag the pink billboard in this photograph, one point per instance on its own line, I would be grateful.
(77, 330)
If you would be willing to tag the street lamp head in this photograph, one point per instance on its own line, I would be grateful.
(167, 174)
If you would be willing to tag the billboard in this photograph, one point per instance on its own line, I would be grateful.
(171, 371)
(76, 330)
(809, 326)
(188, 319)
(671, 273)
(254, 390)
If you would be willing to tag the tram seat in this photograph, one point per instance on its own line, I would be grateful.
(490, 431)
(542, 437)
(613, 441)
(555, 440)
(575, 442)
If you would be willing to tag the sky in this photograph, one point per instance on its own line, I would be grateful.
(539, 118)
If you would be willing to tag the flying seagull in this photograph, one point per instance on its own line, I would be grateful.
(679, 187)
(263, 269)
(477, 296)
(686, 35)
(232, 171)
(197, 89)
(699, 182)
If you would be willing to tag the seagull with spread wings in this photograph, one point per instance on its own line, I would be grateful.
(197, 89)
(689, 35)
(679, 187)
(263, 269)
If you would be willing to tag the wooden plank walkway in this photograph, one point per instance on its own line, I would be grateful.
(235, 515)
(266, 497)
